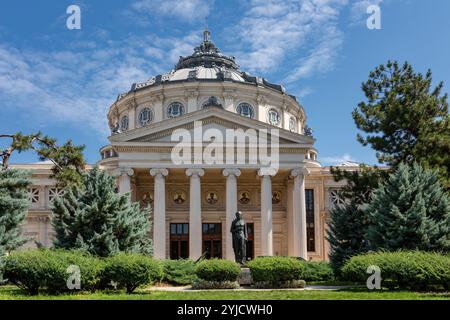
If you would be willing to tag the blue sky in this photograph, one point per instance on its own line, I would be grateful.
(62, 81)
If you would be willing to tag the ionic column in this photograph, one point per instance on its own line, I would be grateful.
(231, 208)
(124, 175)
(195, 213)
(159, 213)
(299, 213)
(266, 212)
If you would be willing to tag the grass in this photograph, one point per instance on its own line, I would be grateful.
(13, 293)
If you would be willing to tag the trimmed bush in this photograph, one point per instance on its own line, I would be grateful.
(179, 272)
(318, 271)
(131, 270)
(276, 270)
(33, 270)
(218, 270)
(412, 270)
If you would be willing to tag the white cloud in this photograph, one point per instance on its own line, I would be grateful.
(273, 31)
(335, 160)
(77, 87)
(187, 10)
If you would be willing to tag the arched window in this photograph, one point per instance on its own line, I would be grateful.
(145, 116)
(124, 123)
(246, 110)
(175, 109)
(292, 124)
(274, 117)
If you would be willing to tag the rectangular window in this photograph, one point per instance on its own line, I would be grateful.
(179, 240)
(310, 230)
(212, 240)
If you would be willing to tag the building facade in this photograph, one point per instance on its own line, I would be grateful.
(196, 186)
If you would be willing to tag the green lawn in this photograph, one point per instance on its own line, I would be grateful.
(11, 292)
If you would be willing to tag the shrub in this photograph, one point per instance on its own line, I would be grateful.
(32, 270)
(318, 271)
(131, 270)
(402, 269)
(276, 270)
(218, 270)
(179, 272)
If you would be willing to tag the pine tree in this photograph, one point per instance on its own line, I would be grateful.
(97, 219)
(410, 210)
(346, 233)
(405, 119)
(14, 202)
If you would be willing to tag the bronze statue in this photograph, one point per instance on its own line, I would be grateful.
(239, 233)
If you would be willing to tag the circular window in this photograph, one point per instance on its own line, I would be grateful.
(292, 124)
(124, 123)
(274, 117)
(145, 116)
(246, 110)
(175, 109)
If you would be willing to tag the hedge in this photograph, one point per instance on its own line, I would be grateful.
(218, 270)
(412, 270)
(318, 271)
(179, 272)
(276, 270)
(131, 270)
(33, 270)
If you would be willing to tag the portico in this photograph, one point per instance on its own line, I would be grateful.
(199, 197)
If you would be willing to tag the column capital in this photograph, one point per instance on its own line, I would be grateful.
(300, 171)
(231, 172)
(267, 172)
(159, 172)
(195, 172)
(123, 171)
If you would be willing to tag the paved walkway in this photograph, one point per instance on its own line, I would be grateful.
(308, 287)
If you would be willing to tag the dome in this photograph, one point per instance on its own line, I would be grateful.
(206, 63)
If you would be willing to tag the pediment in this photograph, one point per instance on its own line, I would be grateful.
(219, 120)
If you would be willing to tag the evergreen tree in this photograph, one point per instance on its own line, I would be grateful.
(346, 233)
(68, 160)
(405, 119)
(14, 202)
(97, 219)
(410, 210)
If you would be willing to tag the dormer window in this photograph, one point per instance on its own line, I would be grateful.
(145, 117)
(245, 110)
(292, 124)
(175, 109)
(274, 117)
(124, 123)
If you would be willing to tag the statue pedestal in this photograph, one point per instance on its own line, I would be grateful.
(245, 279)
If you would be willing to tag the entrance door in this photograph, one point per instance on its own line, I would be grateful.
(212, 240)
(250, 241)
(179, 240)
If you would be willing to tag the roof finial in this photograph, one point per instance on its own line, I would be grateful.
(206, 33)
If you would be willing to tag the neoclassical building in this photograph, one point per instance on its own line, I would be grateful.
(195, 190)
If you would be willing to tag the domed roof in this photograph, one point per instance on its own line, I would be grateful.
(206, 63)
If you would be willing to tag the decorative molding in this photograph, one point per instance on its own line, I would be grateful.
(122, 171)
(267, 172)
(159, 172)
(300, 171)
(231, 172)
(195, 172)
